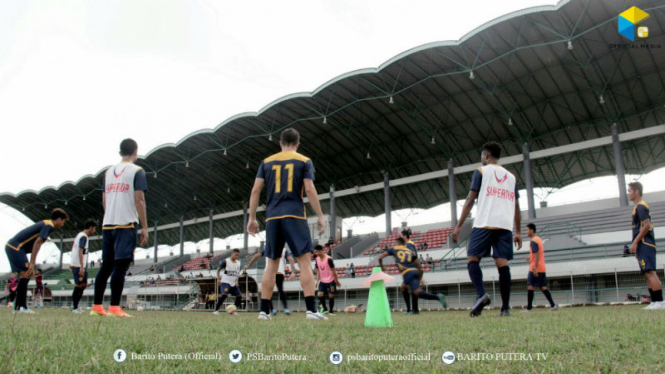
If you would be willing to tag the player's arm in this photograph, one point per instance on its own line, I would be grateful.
(518, 222)
(293, 267)
(383, 255)
(221, 266)
(253, 260)
(253, 225)
(80, 254)
(536, 255)
(139, 202)
(476, 182)
(331, 263)
(643, 215)
(313, 197)
(33, 257)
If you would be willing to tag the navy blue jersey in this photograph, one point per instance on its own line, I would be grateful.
(413, 248)
(284, 174)
(404, 257)
(26, 238)
(641, 212)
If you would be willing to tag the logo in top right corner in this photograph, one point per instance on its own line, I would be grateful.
(628, 21)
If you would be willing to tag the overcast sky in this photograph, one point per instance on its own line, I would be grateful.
(76, 77)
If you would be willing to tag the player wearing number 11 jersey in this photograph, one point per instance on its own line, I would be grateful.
(408, 265)
(288, 176)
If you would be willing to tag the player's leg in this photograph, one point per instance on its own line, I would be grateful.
(274, 246)
(105, 271)
(223, 294)
(125, 244)
(479, 247)
(529, 291)
(646, 258)
(279, 280)
(411, 278)
(542, 282)
(332, 290)
(320, 294)
(502, 244)
(19, 264)
(235, 291)
(268, 282)
(300, 242)
(407, 298)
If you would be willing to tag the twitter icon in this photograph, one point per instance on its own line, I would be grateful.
(235, 356)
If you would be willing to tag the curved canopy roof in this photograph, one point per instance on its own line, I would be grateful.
(547, 76)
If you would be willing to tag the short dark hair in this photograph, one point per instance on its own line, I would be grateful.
(407, 233)
(89, 223)
(318, 247)
(493, 148)
(58, 213)
(236, 250)
(400, 240)
(531, 226)
(290, 136)
(128, 147)
(636, 186)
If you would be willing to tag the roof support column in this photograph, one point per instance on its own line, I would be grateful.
(386, 192)
(154, 260)
(211, 241)
(528, 179)
(244, 227)
(333, 214)
(62, 250)
(618, 163)
(182, 236)
(452, 193)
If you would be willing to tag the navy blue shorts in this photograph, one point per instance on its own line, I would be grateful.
(118, 243)
(18, 260)
(411, 279)
(482, 240)
(329, 288)
(226, 289)
(291, 231)
(78, 279)
(540, 281)
(646, 257)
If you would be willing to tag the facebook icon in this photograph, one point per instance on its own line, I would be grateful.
(119, 355)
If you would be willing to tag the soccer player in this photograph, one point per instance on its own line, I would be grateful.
(79, 263)
(409, 266)
(30, 240)
(644, 245)
(498, 213)
(12, 284)
(288, 176)
(537, 276)
(410, 300)
(279, 277)
(39, 289)
(123, 198)
(229, 280)
(326, 277)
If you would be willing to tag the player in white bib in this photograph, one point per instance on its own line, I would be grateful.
(79, 263)
(498, 213)
(229, 280)
(279, 276)
(123, 199)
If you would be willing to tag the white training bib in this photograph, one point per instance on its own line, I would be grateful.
(496, 198)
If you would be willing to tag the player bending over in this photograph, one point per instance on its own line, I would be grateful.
(409, 266)
(79, 264)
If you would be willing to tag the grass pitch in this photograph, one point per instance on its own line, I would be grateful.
(621, 339)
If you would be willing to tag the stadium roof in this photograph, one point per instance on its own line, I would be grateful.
(548, 76)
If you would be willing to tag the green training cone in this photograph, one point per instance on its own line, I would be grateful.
(378, 308)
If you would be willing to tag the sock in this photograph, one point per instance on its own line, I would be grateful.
(21, 294)
(322, 300)
(75, 302)
(270, 306)
(530, 295)
(220, 301)
(548, 295)
(407, 299)
(657, 295)
(651, 294)
(504, 285)
(332, 304)
(117, 284)
(310, 304)
(282, 297)
(100, 281)
(238, 302)
(414, 304)
(427, 296)
(476, 276)
(265, 306)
